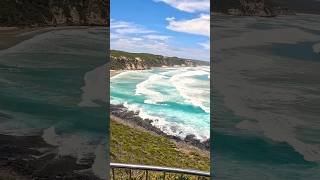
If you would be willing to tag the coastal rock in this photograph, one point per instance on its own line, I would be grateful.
(54, 12)
(191, 139)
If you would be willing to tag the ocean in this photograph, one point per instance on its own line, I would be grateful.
(177, 100)
(41, 89)
(266, 98)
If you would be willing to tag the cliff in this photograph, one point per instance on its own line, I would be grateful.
(54, 12)
(139, 61)
(263, 8)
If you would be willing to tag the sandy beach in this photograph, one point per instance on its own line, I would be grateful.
(114, 72)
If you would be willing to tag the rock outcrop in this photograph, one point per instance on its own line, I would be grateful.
(54, 12)
(262, 8)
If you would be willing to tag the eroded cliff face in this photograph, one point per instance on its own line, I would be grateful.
(125, 63)
(54, 12)
(85, 12)
(138, 63)
(263, 8)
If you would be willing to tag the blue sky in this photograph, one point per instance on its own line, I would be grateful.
(168, 27)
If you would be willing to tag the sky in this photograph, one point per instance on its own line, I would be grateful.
(178, 28)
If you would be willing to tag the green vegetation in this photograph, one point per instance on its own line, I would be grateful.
(124, 60)
(134, 146)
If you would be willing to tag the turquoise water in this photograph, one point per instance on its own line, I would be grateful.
(40, 89)
(274, 100)
(176, 99)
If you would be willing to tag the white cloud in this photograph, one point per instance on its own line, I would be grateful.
(188, 5)
(123, 27)
(161, 48)
(170, 18)
(205, 45)
(156, 43)
(137, 39)
(157, 37)
(198, 26)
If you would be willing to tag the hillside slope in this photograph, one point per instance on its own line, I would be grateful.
(136, 146)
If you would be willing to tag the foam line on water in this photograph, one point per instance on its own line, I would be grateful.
(95, 87)
(144, 88)
(170, 128)
(316, 48)
(76, 145)
(189, 90)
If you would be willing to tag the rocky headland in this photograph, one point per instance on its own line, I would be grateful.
(141, 61)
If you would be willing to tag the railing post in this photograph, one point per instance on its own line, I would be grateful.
(113, 174)
(130, 174)
(146, 174)
(164, 175)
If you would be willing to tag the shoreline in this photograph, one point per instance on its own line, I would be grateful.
(121, 114)
(11, 36)
(113, 72)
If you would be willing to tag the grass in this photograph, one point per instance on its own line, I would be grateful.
(133, 146)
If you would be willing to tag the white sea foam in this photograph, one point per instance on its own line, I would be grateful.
(277, 127)
(95, 88)
(153, 88)
(266, 37)
(285, 30)
(56, 41)
(170, 128)
(189, 88)
(316, 48)
(50, 136)
(145, 88)
(76, 145)
(100, 163)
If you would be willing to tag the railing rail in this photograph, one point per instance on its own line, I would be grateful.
(157, 168)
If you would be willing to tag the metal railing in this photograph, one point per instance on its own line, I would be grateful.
(165, 170)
